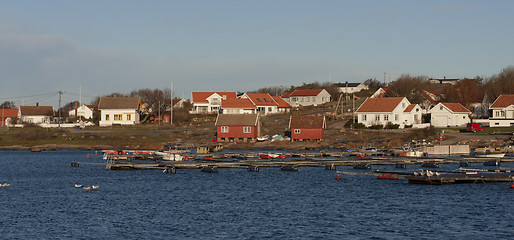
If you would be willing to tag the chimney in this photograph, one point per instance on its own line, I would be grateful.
(37, 104)
(76, 109)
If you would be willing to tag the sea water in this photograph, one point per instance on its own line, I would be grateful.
(43, 203)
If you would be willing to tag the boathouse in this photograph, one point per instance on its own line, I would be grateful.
(237, 127)
(307, 127)
(119, 111)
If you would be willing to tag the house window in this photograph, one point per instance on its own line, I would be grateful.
(314, 99)
(247, 129)
(386, 117)
(307, 99)
(106, 117)
(440, 107)
(118, 117)
(297, 131)
(364, 117)
(396, 117)
(265, 99)
(377, 117)
(129, 117)
(259, 100)
(224, 129)
(269, 109)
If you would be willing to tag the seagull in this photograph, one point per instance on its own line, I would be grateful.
(78, 185)
(95, 187)
(86, 187)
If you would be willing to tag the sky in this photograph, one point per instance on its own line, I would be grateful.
(95, 48)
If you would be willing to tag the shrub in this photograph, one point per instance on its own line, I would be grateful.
(358, 126)
(378, 126)
(390, 125)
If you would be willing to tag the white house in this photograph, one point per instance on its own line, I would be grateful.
(307, 97)
(394, 110)
(350, 87)
(282, 105)
(502, 111)
(36, 114)
(83, 112)
(379, 92)
(119, 111)
(263, 101)
(238, 106)
(449, 115)
(209, 102)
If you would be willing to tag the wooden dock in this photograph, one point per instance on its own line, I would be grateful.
(451, 178)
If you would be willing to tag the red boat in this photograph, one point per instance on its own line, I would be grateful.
(392, 177)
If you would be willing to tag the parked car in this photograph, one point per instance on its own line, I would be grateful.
(474, 127)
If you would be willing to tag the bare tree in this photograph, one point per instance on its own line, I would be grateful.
(8, 105)
(408, 86)
(465, 92)
(501, 83)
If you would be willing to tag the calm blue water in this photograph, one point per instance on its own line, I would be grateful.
(42, 203)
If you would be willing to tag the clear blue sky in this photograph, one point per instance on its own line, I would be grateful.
(110, 46)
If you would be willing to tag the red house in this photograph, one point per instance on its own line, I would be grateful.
(307, 127)
(8, 116)
(237, 127)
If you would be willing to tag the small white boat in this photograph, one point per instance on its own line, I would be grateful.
(170, 156)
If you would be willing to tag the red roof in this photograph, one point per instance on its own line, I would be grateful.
(242, 103)
(456, 107)
(287, 94)
(307, 122)
(380, 104)
(306, 92)
(261, 99)
(281, 102)
(9, 113)
(503, 101)
(409, 108)
(201, 97)
(427, 94)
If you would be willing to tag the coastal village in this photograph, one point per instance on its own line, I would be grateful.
(308, 117)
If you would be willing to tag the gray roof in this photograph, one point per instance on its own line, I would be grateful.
(349, 84)
(37, 110)
(237, 120)
(119, 103)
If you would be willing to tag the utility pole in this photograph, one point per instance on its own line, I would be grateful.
(171, 109)
(384, 78)
(60, 94)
